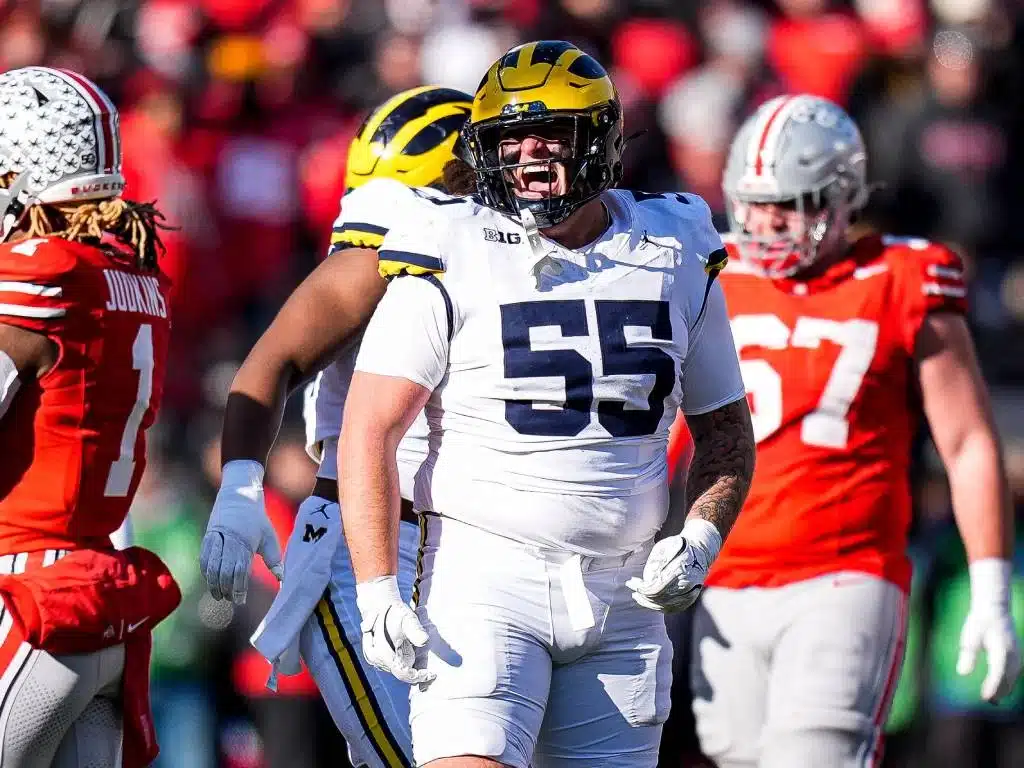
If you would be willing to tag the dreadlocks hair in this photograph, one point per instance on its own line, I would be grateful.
(459, 177)
(136, 225)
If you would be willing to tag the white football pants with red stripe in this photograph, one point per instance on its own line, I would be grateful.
(800, 675)
(59, 711)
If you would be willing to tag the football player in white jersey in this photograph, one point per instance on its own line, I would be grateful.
(551, 326)
(405, 143)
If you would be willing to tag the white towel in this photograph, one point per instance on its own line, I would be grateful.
(307, 572)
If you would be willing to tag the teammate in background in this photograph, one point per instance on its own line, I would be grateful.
(800, 633)
(406, 141)
(84, 330)
(551, 327)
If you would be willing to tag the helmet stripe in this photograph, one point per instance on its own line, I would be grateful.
(103, 108)
(773, 137)
(761, 136)
(411, 109)
(548, 51)
(432, 136)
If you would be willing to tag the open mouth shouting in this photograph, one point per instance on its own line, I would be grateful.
(539, 181)
(535, 164)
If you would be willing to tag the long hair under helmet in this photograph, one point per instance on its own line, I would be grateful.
(546, 84)
(802, 152)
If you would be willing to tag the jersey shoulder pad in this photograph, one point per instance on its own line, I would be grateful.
(413, 246)
(368, 212)
(419, 244)
(930, 271)
(684, 217)
(34, 281)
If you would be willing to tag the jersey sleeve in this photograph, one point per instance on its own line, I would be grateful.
(711, 371)
(410, 332)
(35, 285)
(703, 238)
(368, 212)
(933, 281)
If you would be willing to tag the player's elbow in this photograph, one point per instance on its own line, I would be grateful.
(973, 454)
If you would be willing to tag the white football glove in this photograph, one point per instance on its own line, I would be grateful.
(989, 625)
(238, 528)
(391, 631)
(676, 568)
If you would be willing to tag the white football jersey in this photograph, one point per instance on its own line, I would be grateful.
(555, 373)
(367, 213)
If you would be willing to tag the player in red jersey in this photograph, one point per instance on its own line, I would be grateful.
(799, 638)
(84, 325)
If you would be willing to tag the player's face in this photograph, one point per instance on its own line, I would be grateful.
(778, 236)
(775, 220)
(536, 153)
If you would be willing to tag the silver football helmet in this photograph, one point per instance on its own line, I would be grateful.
(60, 137)
(803, 153)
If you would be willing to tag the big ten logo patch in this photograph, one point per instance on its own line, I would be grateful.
(505, 238)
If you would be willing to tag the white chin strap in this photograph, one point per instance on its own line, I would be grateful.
(532, 235)
(14, 204)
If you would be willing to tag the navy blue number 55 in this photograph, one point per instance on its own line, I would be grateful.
(618, 358)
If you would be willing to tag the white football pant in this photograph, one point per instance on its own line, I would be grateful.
(800, 675)
(516, 669)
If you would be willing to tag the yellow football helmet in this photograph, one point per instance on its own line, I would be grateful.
(409, 137)
(551, 84)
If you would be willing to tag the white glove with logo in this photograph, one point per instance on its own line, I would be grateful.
(238, 528)
(391, 631)
(676, 568)
(989, 625)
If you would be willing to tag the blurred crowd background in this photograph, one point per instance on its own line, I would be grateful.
(236, 116)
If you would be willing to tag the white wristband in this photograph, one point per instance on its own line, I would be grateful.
(702, 533)
(990, 581)
(242, 473)
(374, 593)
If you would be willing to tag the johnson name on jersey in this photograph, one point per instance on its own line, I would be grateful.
(367, 213)
(827, 364)
(555, 373)
(73, 442)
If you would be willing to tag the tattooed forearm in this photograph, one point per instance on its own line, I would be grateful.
(723, 464)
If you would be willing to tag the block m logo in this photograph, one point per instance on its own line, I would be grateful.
(313, 534)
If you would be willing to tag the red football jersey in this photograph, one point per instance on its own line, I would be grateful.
(828, 366)
(73, 442)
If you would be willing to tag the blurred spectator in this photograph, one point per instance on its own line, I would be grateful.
(816, 49)
(698, 116)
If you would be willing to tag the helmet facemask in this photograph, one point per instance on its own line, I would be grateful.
(589, 164)
(14, 204)
(816, 224)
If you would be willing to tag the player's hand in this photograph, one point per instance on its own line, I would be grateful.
(238, 528)
(676, 568)
(989, 626)
(391, 631)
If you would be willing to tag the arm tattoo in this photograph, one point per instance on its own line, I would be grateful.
(722, 466)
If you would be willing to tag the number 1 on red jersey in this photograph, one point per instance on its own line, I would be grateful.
(119, 479)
